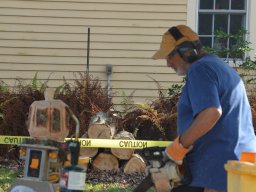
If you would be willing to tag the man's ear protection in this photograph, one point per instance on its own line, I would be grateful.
(187, 51)
(187, 47)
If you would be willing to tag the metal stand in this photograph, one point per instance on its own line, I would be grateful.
(37, 162)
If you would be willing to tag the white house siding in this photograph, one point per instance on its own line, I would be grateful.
(50, 37)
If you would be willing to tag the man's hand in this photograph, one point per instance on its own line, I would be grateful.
(161, 182)
(176, 152)
(166, 177)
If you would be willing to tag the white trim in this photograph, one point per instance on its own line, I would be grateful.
(192, 10)
(252, 26)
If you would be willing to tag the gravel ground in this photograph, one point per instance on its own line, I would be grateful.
(109, 177)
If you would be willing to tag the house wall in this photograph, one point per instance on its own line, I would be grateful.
(50, 37)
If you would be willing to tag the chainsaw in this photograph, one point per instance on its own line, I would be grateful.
(162, 173)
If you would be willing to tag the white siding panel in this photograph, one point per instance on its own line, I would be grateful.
(91, 14)
(82, 21)
(92, 6)
(161, 2)
(112, 38)
(73, 53)
(80, 68)
(50, 37)
(80, 29)
(134, 77)
(77, 45)
(78, 60)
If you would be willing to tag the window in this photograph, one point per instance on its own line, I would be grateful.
(225, 15)
(56, 120)
(41, 118)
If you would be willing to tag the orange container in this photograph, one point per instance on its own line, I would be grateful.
(248, 157)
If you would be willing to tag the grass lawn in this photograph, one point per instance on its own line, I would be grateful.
(104, 187)
(7, 175)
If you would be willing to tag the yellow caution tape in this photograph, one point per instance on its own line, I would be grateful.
(12, 140)
(133, 144)
(99, 143)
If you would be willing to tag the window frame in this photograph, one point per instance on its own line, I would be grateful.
(192, 21)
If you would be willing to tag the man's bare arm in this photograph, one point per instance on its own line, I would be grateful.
(203, 123)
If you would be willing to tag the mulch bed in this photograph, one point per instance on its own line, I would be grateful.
(93, 176)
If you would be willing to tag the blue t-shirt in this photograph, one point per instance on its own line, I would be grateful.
(212, 83)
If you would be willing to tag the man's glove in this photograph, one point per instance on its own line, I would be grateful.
(176, 152)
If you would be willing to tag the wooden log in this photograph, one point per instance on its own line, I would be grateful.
(135, 165)
(105, 161)
(100, 128)
(123, 154)
(100, 131)
(88, 151)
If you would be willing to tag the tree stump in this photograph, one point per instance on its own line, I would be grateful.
(105, 161)
(135, 165)
(123, 154)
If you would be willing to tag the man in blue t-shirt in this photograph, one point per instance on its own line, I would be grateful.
(214, 115)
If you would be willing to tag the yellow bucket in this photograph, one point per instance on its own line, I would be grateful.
(241, 176)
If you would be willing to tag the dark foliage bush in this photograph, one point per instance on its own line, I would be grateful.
(85, 98)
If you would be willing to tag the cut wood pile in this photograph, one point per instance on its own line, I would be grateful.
(111, 159)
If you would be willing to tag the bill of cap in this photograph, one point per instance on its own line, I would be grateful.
(167, 45)
(161, 54)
